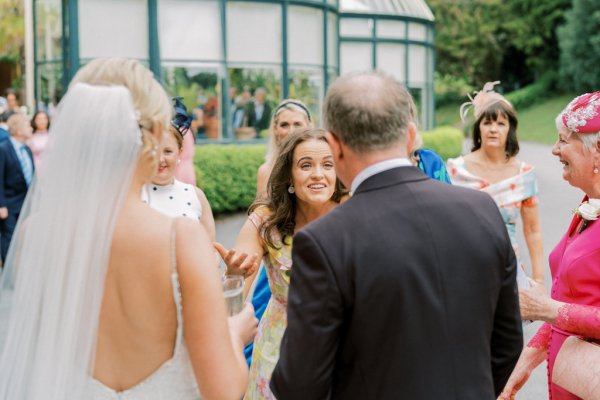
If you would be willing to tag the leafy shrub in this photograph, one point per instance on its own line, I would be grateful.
(447, 141)
(534, 93)
(227, 172)
(450, 89)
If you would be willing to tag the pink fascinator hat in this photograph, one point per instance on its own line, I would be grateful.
(582, 114)
(483, 99)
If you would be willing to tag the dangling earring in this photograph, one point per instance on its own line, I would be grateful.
(154, 151)
(178, 161)
(595, 167)
(291, 189)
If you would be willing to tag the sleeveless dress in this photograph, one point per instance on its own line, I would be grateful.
(509, 194)
(274, 321)
(175, 200)
(174, 379)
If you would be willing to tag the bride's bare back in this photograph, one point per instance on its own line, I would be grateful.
(138, 323)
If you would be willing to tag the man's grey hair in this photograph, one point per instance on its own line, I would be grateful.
(368, 111)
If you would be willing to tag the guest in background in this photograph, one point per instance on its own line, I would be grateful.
(573, 309)
(301, 188)
(185, 169)
(261, 110)
(166, 193)
(16, 173)
(492, 167)
(40, 123)
(12, 101)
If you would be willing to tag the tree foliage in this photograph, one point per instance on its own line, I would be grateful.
(580, 47)
(485, 40)
(12, 30)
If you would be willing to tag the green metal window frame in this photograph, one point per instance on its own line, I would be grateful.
(71, 60)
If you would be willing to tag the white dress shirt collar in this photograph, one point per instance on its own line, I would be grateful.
(376, 168)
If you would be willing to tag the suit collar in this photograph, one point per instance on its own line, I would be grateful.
(391, 177)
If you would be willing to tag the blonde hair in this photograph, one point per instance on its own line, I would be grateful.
(16, 122)
(149, 98)
(273, 147)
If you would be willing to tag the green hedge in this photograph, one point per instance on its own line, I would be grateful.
(227, 173)
(534, 93)
(447, 141)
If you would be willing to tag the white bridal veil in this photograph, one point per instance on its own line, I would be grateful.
(52, 285)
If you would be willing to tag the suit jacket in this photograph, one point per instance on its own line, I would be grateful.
(13, 187)
(405, 291)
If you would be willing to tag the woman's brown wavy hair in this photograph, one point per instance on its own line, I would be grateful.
(281, 203)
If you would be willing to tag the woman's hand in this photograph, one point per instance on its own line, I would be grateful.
(243, 325)
(537, 305)
(530, 358)
(238, 264)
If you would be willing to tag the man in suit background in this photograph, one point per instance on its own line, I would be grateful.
(16, 172)
(408, 289)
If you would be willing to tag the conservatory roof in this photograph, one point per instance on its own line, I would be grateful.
(410, 8)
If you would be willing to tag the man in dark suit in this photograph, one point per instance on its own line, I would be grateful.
(408, 289)
(16, 172)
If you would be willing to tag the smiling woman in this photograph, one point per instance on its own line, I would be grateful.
(302, 187)
(492, 167)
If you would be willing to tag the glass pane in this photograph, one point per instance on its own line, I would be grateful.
(332, 39)
(355, 57)
(190, 30)
(48, 30)
(307, 85)
(305, 35)
(199, 86)
(49, 85)
(417, 66)
(109, 28)
(254, 93)
(391, 29)
(253, 32)
(417, 31)
(356, 27)
(390, 58)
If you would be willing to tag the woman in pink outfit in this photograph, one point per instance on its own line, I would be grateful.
(185, 170)
(40, 124)
(573, 309)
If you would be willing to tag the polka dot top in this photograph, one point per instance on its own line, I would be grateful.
(175, 200)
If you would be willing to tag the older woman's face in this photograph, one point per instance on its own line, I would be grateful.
(286, 121)
(494, 133)
(313, 173)
(578, 162)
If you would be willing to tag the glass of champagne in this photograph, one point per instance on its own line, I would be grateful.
(233, 290)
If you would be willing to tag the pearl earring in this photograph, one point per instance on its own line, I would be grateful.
(154, 151)
(178, 161)
(291, 189)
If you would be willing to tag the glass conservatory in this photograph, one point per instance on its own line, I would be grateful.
(221, 55)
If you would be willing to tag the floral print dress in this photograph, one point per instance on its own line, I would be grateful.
(509, 194)
(274, 321)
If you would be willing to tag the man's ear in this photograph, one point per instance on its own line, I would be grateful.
(335, 144)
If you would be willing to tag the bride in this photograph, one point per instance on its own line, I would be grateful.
(109, 298)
